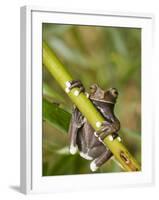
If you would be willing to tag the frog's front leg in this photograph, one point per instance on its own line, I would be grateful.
(76, 123)
(96, 163)
(75, 83)
(108, 128)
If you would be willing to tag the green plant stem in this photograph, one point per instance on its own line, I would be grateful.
(59, 72)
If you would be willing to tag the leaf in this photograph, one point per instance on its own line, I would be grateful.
(133, 134)
(118, 40)
(48, 92)
(56, 30)
(56, 116)
(63, 151)
(72, 55)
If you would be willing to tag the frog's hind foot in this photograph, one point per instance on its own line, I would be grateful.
(99, 161)
(85, 156)
(93, 166)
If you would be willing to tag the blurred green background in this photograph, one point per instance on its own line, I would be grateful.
(108, 56)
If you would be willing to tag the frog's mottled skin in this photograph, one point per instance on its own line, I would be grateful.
(84, 138)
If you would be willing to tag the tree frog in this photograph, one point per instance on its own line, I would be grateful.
(82, 135)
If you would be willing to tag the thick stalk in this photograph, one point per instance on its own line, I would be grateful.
(59, 72)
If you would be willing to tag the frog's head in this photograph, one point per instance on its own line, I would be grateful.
(98, 94)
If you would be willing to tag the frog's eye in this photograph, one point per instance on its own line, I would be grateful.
(93, 88)
(114, 92)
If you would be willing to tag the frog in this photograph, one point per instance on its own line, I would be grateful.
(82, 136)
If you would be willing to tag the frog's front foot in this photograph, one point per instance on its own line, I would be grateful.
(107, 129)
(73, 84)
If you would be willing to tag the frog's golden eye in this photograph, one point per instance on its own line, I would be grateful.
(114, 92)
(93, 88)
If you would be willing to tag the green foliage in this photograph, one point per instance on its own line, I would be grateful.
(52, 94)
(108, 56)
(56, 116)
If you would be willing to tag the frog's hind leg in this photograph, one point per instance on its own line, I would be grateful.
(76, 123)
(104, 157)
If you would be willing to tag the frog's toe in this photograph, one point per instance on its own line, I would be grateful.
(85, 156)
(96, 134)
(74, 84)
(93, 166)
(73, 149)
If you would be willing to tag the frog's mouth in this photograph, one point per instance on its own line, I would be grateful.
(102, 100)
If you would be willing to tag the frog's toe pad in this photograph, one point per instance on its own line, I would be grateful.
(73, 149)
(85, 156)
(93, 166)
